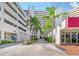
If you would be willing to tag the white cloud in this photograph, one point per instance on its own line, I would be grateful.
(74, 4)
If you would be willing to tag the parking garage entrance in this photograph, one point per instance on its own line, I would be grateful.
(69, 37)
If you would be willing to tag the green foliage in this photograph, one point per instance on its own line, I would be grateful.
(49, 39)
(47, 26)
(51, 11)
(49, 19)
(35, 22)
(33, 40)
(7, 41)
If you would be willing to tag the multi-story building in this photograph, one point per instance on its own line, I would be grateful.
(12, 22)
(40, 15)
(29, 13)
(67, 30)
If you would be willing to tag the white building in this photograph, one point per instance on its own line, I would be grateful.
(12, 22)
(40, 15)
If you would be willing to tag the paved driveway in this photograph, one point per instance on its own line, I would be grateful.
(31, 50)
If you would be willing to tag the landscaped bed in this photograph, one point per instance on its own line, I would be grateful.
(31, 41)
(6, 41)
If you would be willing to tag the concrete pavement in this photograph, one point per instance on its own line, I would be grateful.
(37, 49)
(42, 41)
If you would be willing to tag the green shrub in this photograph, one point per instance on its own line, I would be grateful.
(7, 41)
(33, 40)
(49, 39)
(0, 41)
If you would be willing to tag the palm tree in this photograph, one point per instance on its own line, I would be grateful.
(50, 19)
(35, 24)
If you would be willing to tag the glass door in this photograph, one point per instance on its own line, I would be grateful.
(78, 37)
(62, 38)
(73, 37)
(67, 38)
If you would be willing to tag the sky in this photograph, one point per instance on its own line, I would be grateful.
(41, 6)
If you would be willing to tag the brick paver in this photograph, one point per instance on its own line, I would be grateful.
(71, 49)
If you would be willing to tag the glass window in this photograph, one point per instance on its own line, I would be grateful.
(21, 18)
(22, 29)
(0, 34)
(14, 36)
(22, 23)
(8, 13)
(10, 23)
(0, 7)
(0, 18)
(11, 7)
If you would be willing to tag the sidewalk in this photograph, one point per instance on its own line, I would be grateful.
(70, 49)
(42, 41)
(31, 50)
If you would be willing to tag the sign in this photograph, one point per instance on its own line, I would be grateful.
(73, 22)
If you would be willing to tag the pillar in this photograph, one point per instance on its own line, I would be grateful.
(57, 35)
(70, 37)
(2, 35)
(76, 37)
(65, 38)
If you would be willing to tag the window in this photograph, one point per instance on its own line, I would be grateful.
(10, 23)
(22, 23)
(0, 7)
(22, 18)
(15, 4)
(21, 12)
(22, 29)
(13, 36)
(11, 7)
(0, 34)
(0, 18)
(10, 14)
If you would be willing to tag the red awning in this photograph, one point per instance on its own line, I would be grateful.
(73, 22)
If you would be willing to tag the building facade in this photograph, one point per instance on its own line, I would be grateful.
(66, 30)
(12, 22)
(40, 15)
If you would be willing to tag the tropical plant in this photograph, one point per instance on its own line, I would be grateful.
(50, 19)
(35, 23)
(7, 41)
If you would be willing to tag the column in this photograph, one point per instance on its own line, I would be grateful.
(57, 35)
(64, 38)
(76, 37)
(70, 37)
(2, 35)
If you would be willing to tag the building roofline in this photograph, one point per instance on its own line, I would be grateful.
(73, 9)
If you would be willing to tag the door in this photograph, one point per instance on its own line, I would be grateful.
(78, 37)
(73, 37)
(62, 39)
(67, 38)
